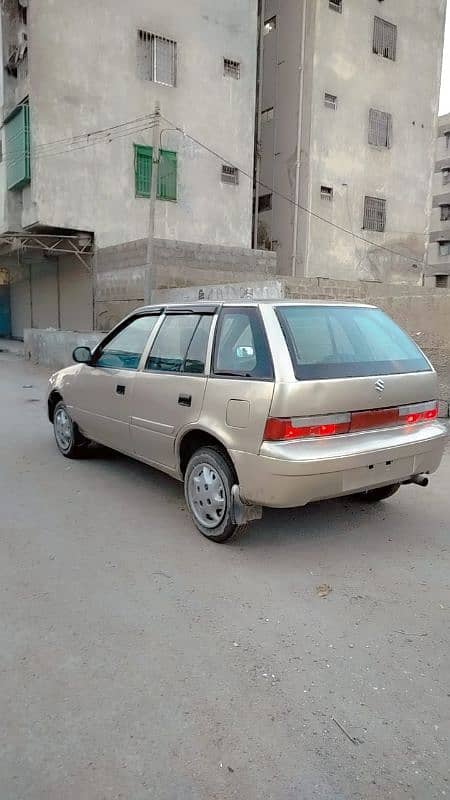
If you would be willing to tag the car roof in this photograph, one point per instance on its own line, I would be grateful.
(211, 306)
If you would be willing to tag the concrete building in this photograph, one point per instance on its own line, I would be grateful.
(78, 92)
(348, 107)
(439, 249)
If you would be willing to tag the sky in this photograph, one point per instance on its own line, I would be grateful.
(445, 82)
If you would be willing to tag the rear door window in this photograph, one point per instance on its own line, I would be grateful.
(181, 344)
(347, 342)
(241, 349)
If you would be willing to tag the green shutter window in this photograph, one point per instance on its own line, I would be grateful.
(17, 141)
(167, 172)
(167, 175)
(142, 169)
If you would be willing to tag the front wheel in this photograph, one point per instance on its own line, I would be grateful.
(69, 440)
(208, 482)
(382, 493)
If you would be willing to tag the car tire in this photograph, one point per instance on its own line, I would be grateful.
(382, 493)
(69, 440)
(208, 481)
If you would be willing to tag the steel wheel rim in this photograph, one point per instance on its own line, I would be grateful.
(207, 495)
(63, 429)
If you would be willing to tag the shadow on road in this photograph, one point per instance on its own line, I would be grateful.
(328, 520)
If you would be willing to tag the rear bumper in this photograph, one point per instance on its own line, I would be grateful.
(290, 474)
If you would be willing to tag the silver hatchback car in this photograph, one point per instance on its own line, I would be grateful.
(257, 404)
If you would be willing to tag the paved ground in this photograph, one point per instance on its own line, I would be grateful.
(140, 661)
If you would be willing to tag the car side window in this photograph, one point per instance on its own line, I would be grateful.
(181, 344)
(196, 354)
(241, 347)
(124, 350)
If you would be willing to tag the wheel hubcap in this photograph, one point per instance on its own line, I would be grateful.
(207, 496)
(63, 429)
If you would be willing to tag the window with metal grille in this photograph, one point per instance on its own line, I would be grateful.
(326, 192)
(230, 174)
(270, 25)
(444, 248)
(336, 5)
(264, 202)
(330, 101)
(384, 38)
(167, 172)
(445, 212)
(380, 128)
(441, 281)
(446, 175)
(232, 69)
(156, 58)
(17, 146)
(267, 115)
(374, 214)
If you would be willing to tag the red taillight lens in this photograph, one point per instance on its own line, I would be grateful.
(422, 412)
(282, 430)
(286, 429)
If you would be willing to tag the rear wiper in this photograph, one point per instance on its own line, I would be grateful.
(230, 374)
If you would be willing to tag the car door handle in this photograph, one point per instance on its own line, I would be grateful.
(120, 388)
(185, 399)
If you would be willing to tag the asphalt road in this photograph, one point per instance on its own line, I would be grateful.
(138, 660)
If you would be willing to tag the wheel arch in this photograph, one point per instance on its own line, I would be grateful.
(53, 399)
(195, 438)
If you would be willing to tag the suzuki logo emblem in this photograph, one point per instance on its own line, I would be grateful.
(379, 386)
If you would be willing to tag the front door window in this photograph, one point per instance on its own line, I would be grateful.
(125, 349)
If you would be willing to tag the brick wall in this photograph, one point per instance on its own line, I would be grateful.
(120, 270)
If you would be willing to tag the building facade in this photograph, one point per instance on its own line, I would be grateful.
(348, 107)
(79, 88)
(438, 271)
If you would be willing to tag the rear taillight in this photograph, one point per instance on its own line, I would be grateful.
(278, 430)
(423, 412)
(287, 429)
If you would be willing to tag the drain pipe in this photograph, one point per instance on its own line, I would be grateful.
(259, 88)
(299, 143)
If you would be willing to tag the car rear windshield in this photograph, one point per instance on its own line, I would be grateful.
(347, 342)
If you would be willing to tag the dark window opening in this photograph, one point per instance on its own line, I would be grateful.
(380, 128)
(445, 212)
(330, 101)
(384, 38)
(374, 214)
(230, 174)
(264, 202)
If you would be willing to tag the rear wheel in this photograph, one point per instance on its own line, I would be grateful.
(382, 493)
(208, 482)
(69, 440)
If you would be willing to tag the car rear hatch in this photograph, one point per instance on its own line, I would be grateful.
(355, 370)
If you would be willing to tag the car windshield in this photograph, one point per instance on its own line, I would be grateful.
(346, 342)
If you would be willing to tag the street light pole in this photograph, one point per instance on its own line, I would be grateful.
(149, 273)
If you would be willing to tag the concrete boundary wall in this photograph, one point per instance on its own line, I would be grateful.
(53, 348)
(423, 312)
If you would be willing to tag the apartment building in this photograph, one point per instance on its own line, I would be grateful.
(78, 91)
(438, 271)
(348, 102)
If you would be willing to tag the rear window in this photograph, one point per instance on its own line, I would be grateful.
(347, 342)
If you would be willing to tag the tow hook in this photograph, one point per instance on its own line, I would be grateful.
(242, 512)
(420, 480)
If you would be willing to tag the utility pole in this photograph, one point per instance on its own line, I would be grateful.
(149, 274)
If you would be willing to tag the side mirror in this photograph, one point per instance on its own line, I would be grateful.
(82, 355)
